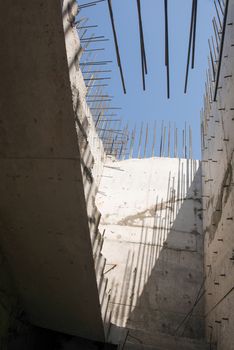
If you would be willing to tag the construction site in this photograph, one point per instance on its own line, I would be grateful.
(112, 235)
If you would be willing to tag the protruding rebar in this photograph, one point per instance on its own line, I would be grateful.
(189, 45)
(142, 44)
(194, 33)
(116, 44)
(167, 61)
(154, 138)
(221, 49)
(92, 3)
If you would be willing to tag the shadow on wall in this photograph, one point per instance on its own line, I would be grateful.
(38, 338)
(160, 286)
(90, 146)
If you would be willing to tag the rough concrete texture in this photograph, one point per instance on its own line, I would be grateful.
(91, 149)
(218, 199)
(44, 224)
(52, 165)
(137, 339)
(152, 227)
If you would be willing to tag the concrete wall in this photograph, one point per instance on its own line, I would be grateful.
(44, 224)
(55, 257)
(34, 338)
(9, 306)
(90, 146)
(218, 199)
(153, 243)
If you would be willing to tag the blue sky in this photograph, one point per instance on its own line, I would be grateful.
(152, 104)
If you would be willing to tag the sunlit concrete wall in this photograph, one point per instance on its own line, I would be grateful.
(218, 199)
(152, 227)
(90, 146)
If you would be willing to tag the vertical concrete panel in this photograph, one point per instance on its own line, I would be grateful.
(152, 223)
(218, 200)
(44, 224)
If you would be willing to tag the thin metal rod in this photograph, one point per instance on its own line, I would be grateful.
(221, 50)
(212, 60)
(90, 3)
(86, 27)
(102, 100)
(99, 85)
(183, 144)
(97, 71)
(97, 121)
(190, 143)
(189, 48)
(167, 47)
(94, 63)
(110, 120)
(169, 141)
(120, 132)
(164, 140)
(91, 50)
(161, 139)
(86, 44)
(143, 40)
(106, 108)
(108, 96)
(146, 140)
(139, 144)
(84, 7)
(217, 37)
(221, 8)
(211, 76)
(132, 143)
(83, 34)
(194, 33)
(142, 44)
(105, 115)
(116, 44)
(93, 38)
(176, 142)
(90, 79)
(154, 138)
(218, 16)
(219, 32)
(94, 41)
(214, 50)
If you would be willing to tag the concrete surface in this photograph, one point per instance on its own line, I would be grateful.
(44, 224)
(137, 339)
(218, 200)
(141, 266)
(34, 338)
(91, 151)
(153, 243)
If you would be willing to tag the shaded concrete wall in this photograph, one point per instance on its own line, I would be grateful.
(218, 199)
(44, 226)
(153, 243)
(9, 305)
(34, 338)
